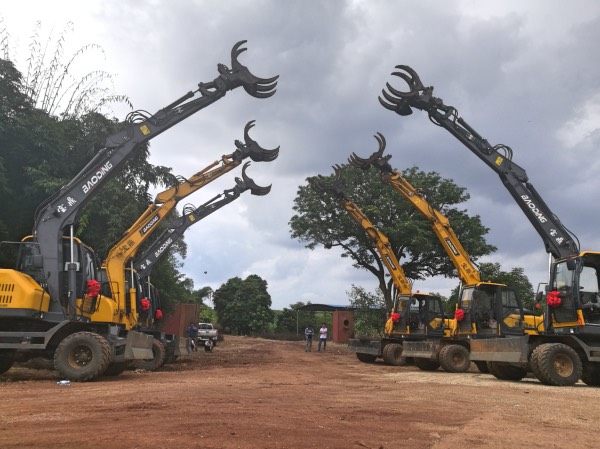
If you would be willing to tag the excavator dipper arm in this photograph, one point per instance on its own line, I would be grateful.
(557, 239)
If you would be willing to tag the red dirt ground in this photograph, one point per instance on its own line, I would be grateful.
(255, 393)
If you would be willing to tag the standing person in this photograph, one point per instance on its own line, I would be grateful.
(308, 333)
(192, 332)
(322, 337)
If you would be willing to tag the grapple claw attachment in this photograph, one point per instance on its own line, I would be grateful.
(377, 159)
(241, 76)
(247, 183)
(401, 102)
(252, 149)
(332, 186)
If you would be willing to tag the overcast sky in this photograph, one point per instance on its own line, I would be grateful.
(522, 73)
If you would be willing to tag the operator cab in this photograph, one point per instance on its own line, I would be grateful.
(490, 310)
(419, 314)
(577, 283)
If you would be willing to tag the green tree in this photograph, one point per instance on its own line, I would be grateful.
(370, 311)
(320, 221)
(207, 315)
(244, 306)
(515, 278)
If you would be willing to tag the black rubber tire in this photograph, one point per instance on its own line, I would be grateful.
(535, 365)
(591, 374)
(454, 358)
(482, 366)
(159, 352)
(116, 368)
(426, 364)
(7, 358)
(505, 371)
(366, 358)
(82, 356)
(392, 355)
(558, 364)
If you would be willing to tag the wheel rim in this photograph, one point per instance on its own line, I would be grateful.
(563, 365)
(81, 356)
(458, 359)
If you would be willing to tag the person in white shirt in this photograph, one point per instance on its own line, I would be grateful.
(322, 337)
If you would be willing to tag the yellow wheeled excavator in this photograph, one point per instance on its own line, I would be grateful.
(414, 316)
(50, 300)
(484, 309)
(567, 348)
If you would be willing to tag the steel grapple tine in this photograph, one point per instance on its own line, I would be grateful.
(411, 78)
(236, 51)
(247, 183)
(399, 93)
(390, 98)
(358, 162)
(391, 107)
(400, 106)
(253, 85)
(416, 83)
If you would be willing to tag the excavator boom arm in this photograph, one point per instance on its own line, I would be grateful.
(557, 239)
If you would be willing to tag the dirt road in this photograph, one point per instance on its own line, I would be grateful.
(254, 393)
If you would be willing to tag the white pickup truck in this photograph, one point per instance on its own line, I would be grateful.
(206, 331)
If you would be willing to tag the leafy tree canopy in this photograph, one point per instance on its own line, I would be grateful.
(319, 220)
(244, 306)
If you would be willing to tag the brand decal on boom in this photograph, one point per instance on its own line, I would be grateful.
(164, 246)
(96, 177)
(531, 205)
(452, 247)
(149, 225)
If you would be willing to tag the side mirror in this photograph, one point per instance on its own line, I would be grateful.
(539, 297)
